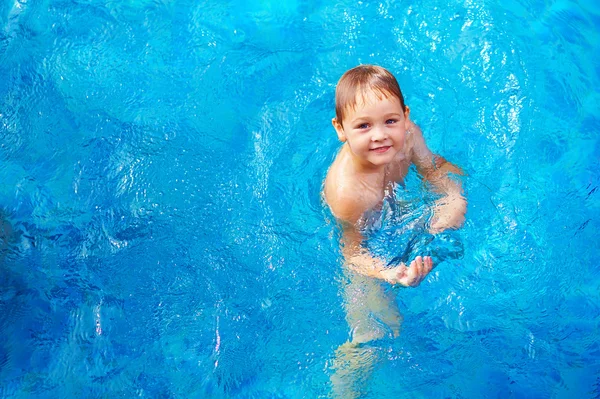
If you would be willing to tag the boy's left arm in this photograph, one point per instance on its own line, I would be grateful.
(449, 212)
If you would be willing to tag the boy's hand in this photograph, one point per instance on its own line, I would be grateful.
(409, 276)
(449, 213)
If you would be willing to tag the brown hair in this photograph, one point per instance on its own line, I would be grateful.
(362, 80)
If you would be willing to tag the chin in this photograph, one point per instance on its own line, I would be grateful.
(381, 162)
(383, 159)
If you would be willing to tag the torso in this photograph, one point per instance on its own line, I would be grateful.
(367, 191)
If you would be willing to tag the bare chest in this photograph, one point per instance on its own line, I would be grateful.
(397, 171)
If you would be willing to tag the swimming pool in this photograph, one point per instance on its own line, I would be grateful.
(160, 175)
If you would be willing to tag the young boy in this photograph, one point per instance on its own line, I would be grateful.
(380, 144)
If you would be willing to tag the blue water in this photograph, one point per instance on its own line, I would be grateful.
(162, 230)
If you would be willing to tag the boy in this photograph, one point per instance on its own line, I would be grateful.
(380, 144)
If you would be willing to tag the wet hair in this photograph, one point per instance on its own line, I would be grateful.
(362, 81)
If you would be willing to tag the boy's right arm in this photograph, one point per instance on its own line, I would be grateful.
(348, 208)
(359, 260)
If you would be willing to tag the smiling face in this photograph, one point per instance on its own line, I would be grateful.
(374, 130)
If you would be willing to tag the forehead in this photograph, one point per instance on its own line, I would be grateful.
(365, 100)
(370, 97)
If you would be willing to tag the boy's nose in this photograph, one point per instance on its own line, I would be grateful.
(378, 134)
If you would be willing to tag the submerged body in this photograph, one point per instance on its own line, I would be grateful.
(380, 145)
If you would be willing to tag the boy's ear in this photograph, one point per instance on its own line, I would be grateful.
(407, 116)
(339, 130)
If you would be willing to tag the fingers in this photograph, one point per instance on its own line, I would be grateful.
(414, 272)
(413, 275)
(428, 265)
(421, 267)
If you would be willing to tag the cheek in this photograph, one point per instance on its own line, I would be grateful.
(361, 139)
(401, 136)
(357, 143)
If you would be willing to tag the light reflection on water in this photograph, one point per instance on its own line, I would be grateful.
(162, 227)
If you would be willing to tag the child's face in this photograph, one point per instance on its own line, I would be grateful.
(374, 129)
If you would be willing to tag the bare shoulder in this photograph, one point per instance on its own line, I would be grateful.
(344, 195)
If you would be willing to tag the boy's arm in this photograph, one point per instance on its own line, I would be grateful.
(359, 260)
(449, 210)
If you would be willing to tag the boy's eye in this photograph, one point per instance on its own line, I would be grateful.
(362, 126)
(391, 121)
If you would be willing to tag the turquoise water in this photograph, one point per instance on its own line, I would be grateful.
(163, 234)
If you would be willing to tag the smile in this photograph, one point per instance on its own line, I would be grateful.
(381, 150)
